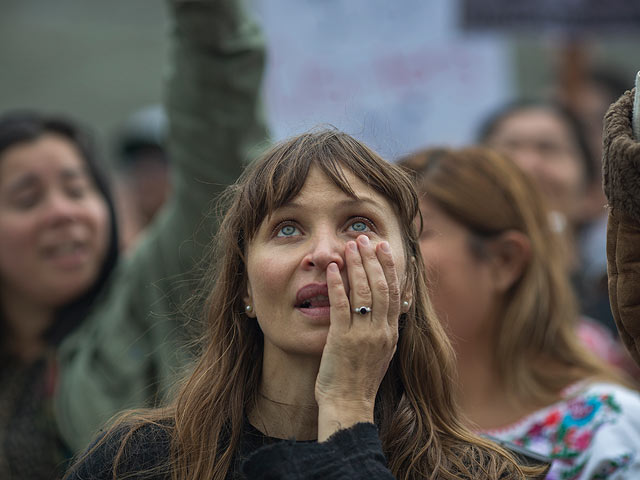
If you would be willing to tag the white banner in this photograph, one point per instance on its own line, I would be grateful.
(399, 75)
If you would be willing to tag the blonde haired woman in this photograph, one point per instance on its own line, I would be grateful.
(499, 285)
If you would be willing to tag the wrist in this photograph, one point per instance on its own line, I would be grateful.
(334, 416)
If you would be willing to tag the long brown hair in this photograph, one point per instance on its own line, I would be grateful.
(536, 347)
(420, 428)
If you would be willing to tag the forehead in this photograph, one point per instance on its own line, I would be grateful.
(535, 120)
(320, 191)
(47, 155)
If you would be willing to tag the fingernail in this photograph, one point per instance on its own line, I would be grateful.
(352, 246)
(364, 240)
(332, 267)
(384, 246)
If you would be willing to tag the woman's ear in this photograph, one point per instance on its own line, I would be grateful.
(510, 253)
(249, 308)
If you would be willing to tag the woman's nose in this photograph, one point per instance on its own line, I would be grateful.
(62, 209)
(528, 159)
(325, 249)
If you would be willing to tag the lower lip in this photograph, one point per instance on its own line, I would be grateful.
(317, 313)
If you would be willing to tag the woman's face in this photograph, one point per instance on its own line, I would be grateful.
(54, 223)
(542, 144)
(461, 285)
(288, 257)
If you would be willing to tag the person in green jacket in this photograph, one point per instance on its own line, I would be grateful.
(94, 333)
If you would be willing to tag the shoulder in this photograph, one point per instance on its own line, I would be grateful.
(139, 450)
(613, 436)
(598, 433)
(588, 408)
(605, 398)
(592, 432)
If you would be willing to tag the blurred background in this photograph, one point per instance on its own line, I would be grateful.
(399, 75)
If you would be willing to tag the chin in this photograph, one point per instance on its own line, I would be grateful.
(315, 343)
(60, 295)
(309, 345)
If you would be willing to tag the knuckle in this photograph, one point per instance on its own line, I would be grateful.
(342, 304)
(394, 292)
(363, 291)
(370, 254)
(387, 261)
(334, 281)
(382, 286)
(355, 258)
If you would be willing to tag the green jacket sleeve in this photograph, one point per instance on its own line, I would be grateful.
(128, 350)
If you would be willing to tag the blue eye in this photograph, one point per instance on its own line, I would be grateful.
(287, 231)
(359, 226)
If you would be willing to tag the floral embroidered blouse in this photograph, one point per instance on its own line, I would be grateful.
(593, 433)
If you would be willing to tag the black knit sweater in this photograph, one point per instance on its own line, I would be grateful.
(349, 454)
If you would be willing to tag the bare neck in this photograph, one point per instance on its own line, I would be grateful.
(286, 405)
(483, 395)
(25, 323)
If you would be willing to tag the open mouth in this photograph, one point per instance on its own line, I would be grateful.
(315, 302)
(69, 255)
(64, 249)
(313, 298)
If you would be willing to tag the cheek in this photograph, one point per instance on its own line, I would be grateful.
(18, 245)
(267, 279)
(96, 214)
(454, 281)
(575, 179)
(19, 233)
(566, 176)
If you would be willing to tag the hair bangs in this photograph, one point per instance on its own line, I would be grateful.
(282, 173)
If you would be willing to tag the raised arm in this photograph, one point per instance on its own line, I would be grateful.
(126, 353)
(621, 177)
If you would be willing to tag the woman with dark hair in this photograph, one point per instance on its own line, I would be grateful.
(83, 333)
(499, 284)
(57, 248)
(318, 330)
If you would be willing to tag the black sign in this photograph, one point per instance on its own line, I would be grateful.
(557, 15)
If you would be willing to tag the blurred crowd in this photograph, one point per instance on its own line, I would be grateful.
(101, 259)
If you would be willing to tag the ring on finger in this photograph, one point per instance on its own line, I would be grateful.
(362, 310)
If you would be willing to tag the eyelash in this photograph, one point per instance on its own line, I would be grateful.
(369, 223)
(292, 223)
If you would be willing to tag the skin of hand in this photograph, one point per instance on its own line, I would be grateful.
(359, 347)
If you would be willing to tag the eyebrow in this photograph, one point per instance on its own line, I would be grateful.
(348, 202)
(73, 173)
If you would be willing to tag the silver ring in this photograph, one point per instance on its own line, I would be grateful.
(362, 310)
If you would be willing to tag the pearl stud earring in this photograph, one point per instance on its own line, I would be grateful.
(248, 309)
(405, 306)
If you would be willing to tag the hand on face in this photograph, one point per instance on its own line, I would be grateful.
(359, 347)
